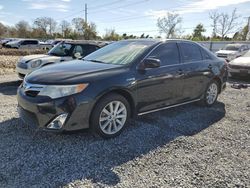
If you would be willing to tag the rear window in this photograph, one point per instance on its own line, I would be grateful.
(190, 52)
(206, 55)
(232, 47)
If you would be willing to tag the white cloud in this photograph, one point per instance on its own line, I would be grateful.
(55, 5)
(196, 7)
(1, 7)
(204, 5)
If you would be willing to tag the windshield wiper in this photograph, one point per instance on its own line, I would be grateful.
(94, 60)
(53, 54)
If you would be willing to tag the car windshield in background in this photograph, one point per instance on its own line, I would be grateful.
(119, 53)
(231, 47)
(62, 49)
(247, 54)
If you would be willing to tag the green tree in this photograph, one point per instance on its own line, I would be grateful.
(89, 31)
(197, 33)
(111, 35)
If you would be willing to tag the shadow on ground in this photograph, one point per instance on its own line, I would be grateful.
(9, 88)
(239, 80)
(34, 158)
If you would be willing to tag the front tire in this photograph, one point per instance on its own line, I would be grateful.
(211, 94)
(110, 116)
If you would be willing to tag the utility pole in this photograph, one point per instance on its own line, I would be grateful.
(86, 13)
(248, 34)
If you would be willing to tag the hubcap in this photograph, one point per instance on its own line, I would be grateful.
(212, 93)
(113, 117)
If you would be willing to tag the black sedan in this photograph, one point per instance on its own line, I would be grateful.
(118, 82)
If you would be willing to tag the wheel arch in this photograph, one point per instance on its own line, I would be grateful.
(120, 91)
(218, 80)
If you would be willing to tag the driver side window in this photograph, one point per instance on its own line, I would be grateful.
(78, 49)
(168, 54)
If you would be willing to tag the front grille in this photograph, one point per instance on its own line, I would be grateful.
(28, 117)
(22, 65)
(239, 67)
(222, 55)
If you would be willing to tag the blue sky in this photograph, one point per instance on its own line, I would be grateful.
(125, 16)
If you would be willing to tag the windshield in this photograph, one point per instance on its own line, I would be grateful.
(247, 54)
(231, 47)
(62, 49)
(120, 53)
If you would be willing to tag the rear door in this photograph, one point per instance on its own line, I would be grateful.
(160, 87)
(24, 44)
(197, 70)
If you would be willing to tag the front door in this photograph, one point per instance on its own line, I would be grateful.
(162, 86)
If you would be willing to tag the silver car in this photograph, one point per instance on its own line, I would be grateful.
(240, 66)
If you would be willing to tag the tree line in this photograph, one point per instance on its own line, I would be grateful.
(170, 25)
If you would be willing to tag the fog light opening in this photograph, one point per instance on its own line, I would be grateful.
(58, 122)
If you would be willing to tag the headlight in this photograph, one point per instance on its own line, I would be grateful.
(231, 56)
(57, 91)
(36, 63)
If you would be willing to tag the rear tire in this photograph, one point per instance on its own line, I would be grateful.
(110, 116)
(211, 94)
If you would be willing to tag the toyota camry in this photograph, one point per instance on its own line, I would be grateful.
(120, 81)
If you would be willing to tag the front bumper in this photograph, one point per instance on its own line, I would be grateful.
(238, 72)
(41, 111)
(22, 72)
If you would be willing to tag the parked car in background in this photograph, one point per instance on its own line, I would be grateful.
(232, 51)
(44, 45)
(6, 40)
(27, 44)
(240, 66)
(56, 41)
(63, 51)
(125, 78)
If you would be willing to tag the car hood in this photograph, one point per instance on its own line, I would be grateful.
(243, 61)
(71, 72)
(43, 57)
(13, 42)
(226, 52)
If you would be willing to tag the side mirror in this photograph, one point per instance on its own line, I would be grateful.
(150, 63)
(77, 55)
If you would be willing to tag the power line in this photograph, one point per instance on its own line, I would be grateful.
(65, 17)
(155, 30)
(106, 4)
(122, 6)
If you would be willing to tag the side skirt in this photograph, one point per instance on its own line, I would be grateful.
(167, 107)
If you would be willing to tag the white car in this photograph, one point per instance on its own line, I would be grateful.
(232, 51)
(64, 51)
(23, 44)
(240, 66)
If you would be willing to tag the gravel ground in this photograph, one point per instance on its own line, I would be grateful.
(188, 146)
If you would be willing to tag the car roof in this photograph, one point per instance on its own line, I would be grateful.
(98, 43)
(161, 40)
(236, 44)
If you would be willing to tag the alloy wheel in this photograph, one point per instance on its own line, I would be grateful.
(212, 93)
(113, 117)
